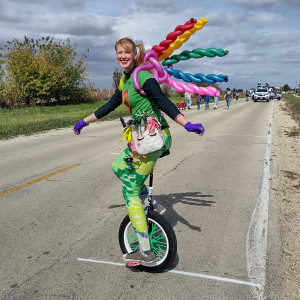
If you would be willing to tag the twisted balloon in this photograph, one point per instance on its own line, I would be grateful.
(182, 39)
(198, 78)
(162, 76)
(172, 36)
(173, 41)
(196, 53)
(183, 32)
(194, 89)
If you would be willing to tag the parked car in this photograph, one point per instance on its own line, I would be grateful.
(261, 94)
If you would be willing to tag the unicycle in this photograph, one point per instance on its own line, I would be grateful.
(162, 237)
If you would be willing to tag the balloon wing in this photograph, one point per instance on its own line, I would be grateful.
(173, 41)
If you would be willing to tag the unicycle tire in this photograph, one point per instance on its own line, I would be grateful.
(162, 240)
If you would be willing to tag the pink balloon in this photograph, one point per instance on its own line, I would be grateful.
(162, 76)
(135, 77)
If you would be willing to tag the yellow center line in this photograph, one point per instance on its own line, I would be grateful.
(19, 187)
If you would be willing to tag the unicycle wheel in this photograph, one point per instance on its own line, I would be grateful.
(162, 240)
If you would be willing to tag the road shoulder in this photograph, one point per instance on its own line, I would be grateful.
(284, 215)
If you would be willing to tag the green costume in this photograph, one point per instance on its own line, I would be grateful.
(134, 175)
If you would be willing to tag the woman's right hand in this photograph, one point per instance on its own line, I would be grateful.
(78, 126)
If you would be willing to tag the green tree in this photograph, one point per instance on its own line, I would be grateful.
(286, 87)
(41, 70)
(117, 74)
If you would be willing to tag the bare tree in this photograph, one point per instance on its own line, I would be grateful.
(166, 90)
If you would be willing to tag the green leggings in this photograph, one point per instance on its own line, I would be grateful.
(134, 176)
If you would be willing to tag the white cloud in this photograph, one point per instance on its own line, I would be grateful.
(77, 24)
(256, 33)
(256, 4)
(264, 18)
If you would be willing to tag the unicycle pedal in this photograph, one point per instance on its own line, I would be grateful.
(133, 263)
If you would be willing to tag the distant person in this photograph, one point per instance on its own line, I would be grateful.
(216, 100)
(188, 99)
(272, 95)
(227, 97)
(206, 101)
(278, 96)
(198, 99)
(237, 95)
(247, 95)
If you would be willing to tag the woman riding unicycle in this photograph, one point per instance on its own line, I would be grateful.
(147, 117)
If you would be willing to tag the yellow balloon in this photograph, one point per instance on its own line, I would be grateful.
(182, 39)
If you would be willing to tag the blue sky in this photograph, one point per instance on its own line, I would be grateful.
(262, 36)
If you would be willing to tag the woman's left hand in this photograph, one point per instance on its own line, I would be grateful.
(197, 128)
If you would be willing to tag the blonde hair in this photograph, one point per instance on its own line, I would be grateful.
(129, 45)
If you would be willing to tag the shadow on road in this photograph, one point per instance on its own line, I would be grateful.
(169, 200)
(189, 198)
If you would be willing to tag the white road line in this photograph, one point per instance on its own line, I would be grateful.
(256, 243)
(101, 262)
(229, 280)
(243, 135)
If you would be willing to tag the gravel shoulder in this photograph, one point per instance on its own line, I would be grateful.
(284, 272)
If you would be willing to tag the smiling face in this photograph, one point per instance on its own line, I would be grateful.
(125, 57)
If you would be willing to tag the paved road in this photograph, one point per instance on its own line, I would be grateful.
(61, 206)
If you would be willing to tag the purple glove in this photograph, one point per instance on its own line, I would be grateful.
(197, 128)
(78, 126)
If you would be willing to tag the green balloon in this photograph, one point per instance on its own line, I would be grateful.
(196, 53)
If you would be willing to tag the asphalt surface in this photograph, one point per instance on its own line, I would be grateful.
(61, 206)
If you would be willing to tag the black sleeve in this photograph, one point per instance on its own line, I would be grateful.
(110, 106)
(153, 90)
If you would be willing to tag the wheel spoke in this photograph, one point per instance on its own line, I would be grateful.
(159, 242)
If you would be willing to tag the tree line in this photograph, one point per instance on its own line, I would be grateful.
(41, 71)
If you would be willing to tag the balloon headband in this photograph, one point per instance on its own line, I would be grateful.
(173, 41)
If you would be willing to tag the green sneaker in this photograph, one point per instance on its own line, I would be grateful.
(139, 257)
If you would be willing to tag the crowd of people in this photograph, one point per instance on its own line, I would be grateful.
(206, 99)
(228, 96)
